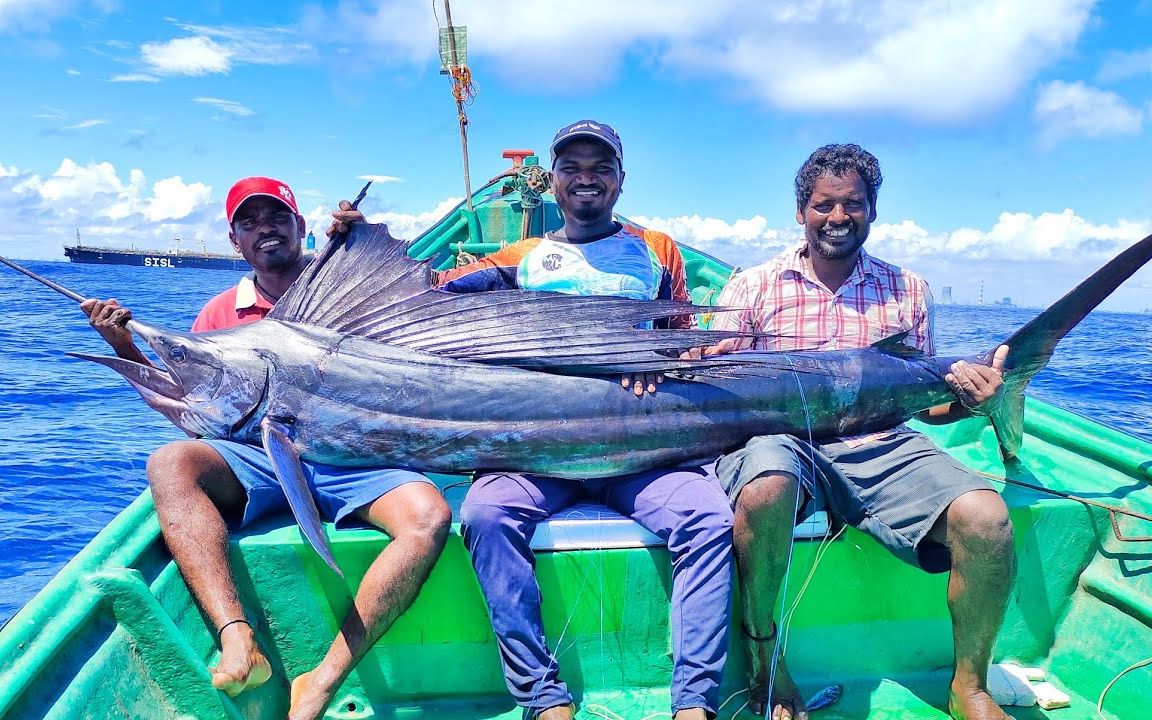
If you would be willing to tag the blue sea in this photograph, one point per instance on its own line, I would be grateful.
(74, 437)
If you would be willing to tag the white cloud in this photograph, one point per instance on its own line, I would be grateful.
(743, 242)
(134, 77)
(72, 183)
(85, 124)
(255, 45)
(216, 50)
(173, 199)
(31, 14)
(186, 56)
(49, 113)
(1015, 237)
(229, 106)
(1119, 65)
(935, 60)
(380, 178)
(72, 71)
(409, 225)
(1074, 109)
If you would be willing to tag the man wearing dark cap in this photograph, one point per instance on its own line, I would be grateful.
(201, 487)
(593, 254)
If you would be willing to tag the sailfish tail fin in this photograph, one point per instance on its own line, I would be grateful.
(1031, 346)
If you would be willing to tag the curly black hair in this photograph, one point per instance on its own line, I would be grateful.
(838, 160)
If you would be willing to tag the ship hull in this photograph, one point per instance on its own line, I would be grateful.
(160, 260)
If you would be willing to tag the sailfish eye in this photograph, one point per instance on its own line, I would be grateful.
(177, 354)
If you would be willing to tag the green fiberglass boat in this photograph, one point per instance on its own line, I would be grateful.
(117, 635)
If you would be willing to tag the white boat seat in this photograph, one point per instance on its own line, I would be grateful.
(588, 526)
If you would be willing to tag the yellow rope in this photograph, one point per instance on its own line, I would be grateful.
(463, 89)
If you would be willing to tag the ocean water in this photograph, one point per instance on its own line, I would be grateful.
(74, 437)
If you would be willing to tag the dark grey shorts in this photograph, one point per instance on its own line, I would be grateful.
(893, 486)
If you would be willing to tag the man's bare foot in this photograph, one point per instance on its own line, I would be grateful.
(242, 666)
(691, 714)
(974, 705)
(559, 712)
(308, 699)
(787, 702)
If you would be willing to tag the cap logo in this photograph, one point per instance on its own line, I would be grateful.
(286, 193)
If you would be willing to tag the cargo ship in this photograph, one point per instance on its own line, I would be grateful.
(174, 258)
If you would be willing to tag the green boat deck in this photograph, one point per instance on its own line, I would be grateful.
(117, 635)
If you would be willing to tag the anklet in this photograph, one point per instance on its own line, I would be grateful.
(220, 632)
(767, 638)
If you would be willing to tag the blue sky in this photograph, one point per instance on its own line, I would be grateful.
(1013, 135)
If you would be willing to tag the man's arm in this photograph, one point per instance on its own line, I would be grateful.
(973, 384)
(738, 295)
(498, 271)
(669, 256)
(110, 320)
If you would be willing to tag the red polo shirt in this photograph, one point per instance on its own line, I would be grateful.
(235, 306)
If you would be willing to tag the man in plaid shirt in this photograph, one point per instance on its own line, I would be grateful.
(828, 294)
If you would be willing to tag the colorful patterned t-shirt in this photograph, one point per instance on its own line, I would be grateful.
(632, 262)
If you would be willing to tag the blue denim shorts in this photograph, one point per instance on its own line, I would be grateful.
(893, 485)
(338, 491)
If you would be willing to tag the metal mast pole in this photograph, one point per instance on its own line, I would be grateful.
(458, 91)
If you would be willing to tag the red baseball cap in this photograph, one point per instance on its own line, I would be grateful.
(253, 186)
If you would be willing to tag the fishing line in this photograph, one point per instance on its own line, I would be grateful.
(601, 711)
(554, 656)
(597, 547)
(825, 543)
(783, 628)
(1125, 671)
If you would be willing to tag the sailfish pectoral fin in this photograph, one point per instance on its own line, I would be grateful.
(286, 464)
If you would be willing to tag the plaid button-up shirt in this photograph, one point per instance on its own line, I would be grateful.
(784, 299)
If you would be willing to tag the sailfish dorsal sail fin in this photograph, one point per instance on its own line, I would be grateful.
(365, 284)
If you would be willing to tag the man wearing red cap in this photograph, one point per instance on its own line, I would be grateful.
(273, 250)
(201, 487)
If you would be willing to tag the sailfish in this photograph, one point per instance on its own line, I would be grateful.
(363, 363)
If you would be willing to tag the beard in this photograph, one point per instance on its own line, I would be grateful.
(585, 214)
(280, 263)
(284, 258)
(837, 251)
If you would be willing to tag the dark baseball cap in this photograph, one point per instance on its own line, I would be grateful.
(592, 130)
